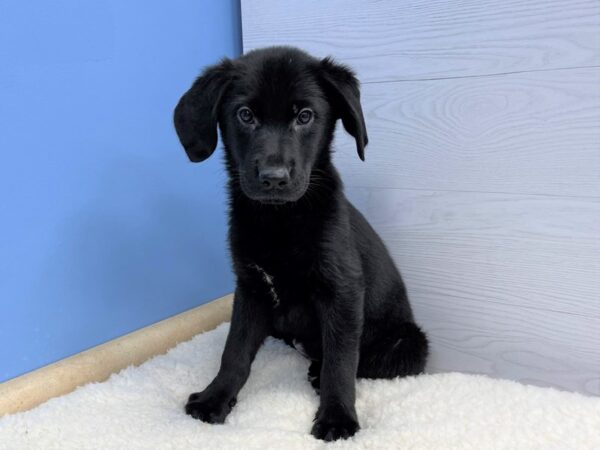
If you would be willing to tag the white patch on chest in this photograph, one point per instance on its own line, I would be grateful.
(269, 280)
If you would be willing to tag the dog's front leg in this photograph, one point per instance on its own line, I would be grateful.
(340, 317)
(249, 328)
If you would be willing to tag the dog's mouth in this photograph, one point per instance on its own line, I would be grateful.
(277, 199)
(272, 201)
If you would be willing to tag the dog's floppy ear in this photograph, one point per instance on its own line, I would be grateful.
(342, 88)
(197, 112)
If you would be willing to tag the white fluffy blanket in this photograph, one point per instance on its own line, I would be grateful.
(142, 408)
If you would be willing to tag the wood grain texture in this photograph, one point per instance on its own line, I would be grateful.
(536, 133)
(517, 250)
(504, 284)
(415, 39)
(549, 349)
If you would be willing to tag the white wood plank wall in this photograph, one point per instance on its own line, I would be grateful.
(482, 171)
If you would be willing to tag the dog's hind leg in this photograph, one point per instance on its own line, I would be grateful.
(395, 351)
(314, 375)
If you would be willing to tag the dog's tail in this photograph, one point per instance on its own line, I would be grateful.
(400, 352)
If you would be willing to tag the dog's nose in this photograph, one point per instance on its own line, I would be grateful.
(274, 177)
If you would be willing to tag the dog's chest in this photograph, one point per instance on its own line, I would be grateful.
(294, 321)
(293, 312)
(282, 260)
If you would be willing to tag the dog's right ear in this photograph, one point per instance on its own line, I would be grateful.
(197, 112)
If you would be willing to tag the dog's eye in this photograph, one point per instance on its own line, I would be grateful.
(245, 115)
(304, 116)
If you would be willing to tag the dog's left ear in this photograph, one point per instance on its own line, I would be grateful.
(196, 114)
(342, 88)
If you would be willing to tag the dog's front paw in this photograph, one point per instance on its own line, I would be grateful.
(208, 407)
(334, 423)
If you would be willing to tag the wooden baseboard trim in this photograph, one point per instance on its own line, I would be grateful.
(98, 363)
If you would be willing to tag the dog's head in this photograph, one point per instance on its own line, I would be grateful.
(276, 109)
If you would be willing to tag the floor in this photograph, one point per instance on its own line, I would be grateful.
(143, 408)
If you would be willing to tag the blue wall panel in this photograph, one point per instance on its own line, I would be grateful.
(105, 226)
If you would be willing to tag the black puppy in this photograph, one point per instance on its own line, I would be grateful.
(309, 268)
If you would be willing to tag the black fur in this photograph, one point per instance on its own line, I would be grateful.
(310, 269)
